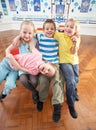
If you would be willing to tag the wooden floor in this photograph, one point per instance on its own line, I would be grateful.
(18, 112)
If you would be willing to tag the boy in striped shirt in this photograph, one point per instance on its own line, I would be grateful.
(48, 47)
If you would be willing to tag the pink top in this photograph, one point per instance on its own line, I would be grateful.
(30, 61)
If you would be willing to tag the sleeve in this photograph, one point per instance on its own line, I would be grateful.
(38, 36)
(58, 35)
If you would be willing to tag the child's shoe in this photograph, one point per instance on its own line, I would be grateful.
(57, 112)
(73, 112)
(77, 97)
(2, 96)
(40, 106)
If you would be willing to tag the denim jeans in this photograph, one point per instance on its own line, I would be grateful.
(70, 73)
(6, 72)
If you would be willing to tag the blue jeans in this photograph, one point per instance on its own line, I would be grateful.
(70, 73)
(6, 72)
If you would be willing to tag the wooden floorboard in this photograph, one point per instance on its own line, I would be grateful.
(17, 111)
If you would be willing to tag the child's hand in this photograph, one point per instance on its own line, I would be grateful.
(73, 48)
(41, 68)
(74, 39)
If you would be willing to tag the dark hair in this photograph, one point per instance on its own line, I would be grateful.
(49, 21)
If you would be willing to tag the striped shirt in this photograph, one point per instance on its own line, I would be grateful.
(48, 47)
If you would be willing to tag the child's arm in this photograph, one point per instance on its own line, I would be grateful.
(12, 59)
(9, 48)
(37, 42)
(16, 41)
(16, 64)
(73, 48)
(76, 43)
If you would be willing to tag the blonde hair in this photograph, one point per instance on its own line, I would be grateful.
(27, 22)
(77, 25)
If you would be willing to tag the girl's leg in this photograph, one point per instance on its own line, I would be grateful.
(30, 82)
(33, 80)
(10, 82)
(76, 75)
(68, 73)
(4, 70)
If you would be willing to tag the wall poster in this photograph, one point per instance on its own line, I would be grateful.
(12, 5)
(85, 6)
(24, 6)
(37, 6)
(4, 7)
(60, 10)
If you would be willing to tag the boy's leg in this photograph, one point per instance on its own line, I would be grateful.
(58, 88)
(43, 87)
(58, 95)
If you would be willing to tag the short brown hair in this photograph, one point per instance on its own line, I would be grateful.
(49, 21)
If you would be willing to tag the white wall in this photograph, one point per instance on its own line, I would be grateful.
(86, 28)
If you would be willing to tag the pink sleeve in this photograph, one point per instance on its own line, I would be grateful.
(30, 61)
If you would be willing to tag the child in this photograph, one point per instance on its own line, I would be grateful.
(27, 38)
(48, 46)
(68, 58)
(22, 60)
(33, 63)
(27, 34)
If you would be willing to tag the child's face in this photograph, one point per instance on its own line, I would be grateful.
(47, 69)
(27, 32)
(49, 30)
(70, 28)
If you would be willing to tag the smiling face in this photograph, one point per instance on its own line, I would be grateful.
(47, 69)
(70, 28)
(27, 31)
(49, 28)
